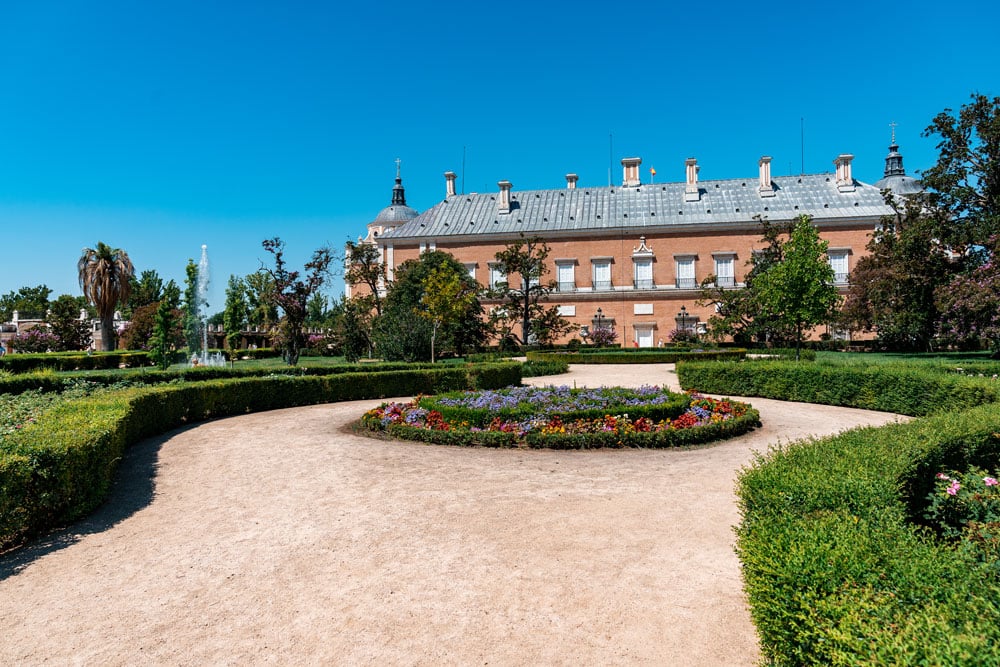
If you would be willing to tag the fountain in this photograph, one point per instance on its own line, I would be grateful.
(205, 359)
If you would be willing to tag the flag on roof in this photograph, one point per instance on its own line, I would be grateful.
(652, 171)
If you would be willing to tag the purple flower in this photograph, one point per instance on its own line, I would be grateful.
(953, 489)
(990, 481)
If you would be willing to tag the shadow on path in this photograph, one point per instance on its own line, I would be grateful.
(132, 490)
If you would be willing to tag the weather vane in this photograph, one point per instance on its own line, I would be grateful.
(397, 167)
(893, 126)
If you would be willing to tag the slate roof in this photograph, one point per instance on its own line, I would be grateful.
(646, 207)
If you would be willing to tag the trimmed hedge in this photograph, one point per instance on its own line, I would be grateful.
(838, 570)
(541, 368)
(48, 381)
(805, 354)
(72, 361)
(480, 417)
(837, 573)
(656, 356)
(663, 439)
(61, 467)
(913, 391)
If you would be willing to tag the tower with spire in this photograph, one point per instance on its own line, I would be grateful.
(395, 213)
(894, 177)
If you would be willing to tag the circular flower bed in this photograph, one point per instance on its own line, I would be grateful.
(539, 419)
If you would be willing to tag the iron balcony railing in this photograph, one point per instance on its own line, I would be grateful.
(603, 286)
(686, 283)
(725, 281)
(566, 286)
(644, 283)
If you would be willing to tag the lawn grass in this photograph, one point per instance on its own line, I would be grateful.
(931, 358)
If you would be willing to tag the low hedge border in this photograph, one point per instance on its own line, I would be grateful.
(61, 467)
(835, 568)
(49, 381)
(642, 357)
(913, 390)
(698, 435)
(482, 416)
(71, 361)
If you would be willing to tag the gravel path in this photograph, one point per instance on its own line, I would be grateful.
(282, 538)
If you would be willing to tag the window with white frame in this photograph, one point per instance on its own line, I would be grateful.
(838, 262)
(566, 275)
(602, 273)
(643, 273)
(685, 271)
(725, 274)
(471, 268)
(496, 276)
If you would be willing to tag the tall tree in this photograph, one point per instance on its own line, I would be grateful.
(263, 311)
(799, 292)
(104, 278)
(144, 290)
(970, 305)
(399, 334)
(963, 186)
(446, 300)
(64, 321)
(166, 334)
(738, 312)
(523, 293)
(192, 308)
(292, 294)
(234, 318)
(351, 326)
(364, 266)
(29, 302)
(893, 288)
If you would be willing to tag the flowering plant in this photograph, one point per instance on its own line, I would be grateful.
(966, 507)
(702, 411)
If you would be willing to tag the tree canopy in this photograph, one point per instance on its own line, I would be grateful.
(105, 274)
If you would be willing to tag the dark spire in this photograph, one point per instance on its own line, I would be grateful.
(398, 195)
(894, 161)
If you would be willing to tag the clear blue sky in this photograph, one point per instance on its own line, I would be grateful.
(159, 126)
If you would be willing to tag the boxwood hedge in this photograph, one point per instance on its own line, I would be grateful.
(837, 568)
(61, 467)
(652, 356)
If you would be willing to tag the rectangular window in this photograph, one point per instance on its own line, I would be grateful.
(685, 273)
(724, 274)
(471, 268)
(838, 262)
(644, 274)
(496, 276)
(602, 274)
(566, 277)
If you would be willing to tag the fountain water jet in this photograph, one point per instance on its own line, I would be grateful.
(201, 289)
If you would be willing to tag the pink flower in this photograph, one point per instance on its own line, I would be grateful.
(953, 489)
(941, 475)
(990, 481)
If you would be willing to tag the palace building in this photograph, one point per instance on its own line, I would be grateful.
(634, 256)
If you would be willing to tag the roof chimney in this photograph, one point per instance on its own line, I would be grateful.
(845, 181)
(571, 180)
(449, 179)
(691, 192)
(503, 203)
(766, 188)
(630, 166)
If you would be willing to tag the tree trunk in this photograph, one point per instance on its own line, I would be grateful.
(108, 334)
(434, 331)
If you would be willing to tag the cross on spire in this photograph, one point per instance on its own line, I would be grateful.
(893, 126)
(398, 161)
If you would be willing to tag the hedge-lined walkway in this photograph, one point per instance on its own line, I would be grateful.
(280, 537)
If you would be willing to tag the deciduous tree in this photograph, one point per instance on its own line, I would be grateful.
(798, 292)
(292, 292)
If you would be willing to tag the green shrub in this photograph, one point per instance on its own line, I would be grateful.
(906, 390)
(832, 560)
(541, 368)
(641, 356)
(60, 467)
(71, 361)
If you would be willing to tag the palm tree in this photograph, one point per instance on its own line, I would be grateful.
(104, 279)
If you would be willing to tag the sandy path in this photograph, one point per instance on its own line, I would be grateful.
(278, 538)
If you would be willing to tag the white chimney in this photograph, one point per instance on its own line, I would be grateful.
(691, 192)
(571, 180)
(449, 179)
(503, 203)
(845, 181)
(766, 188)
(630, 167)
